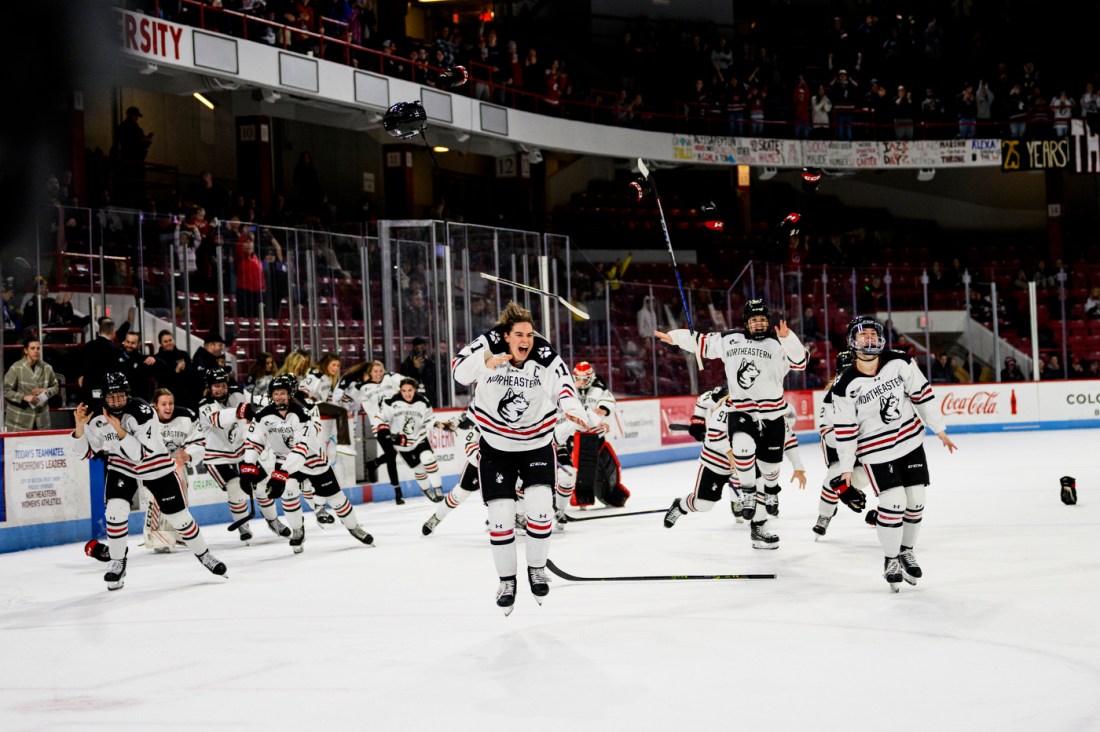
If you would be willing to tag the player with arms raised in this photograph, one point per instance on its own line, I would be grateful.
(880, 409)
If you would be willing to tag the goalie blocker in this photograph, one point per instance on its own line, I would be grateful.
(598, 471)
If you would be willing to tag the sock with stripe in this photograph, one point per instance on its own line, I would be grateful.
(891, 509)
(914, 512)
(343, 509)
(540, 522)
(184, 523)
(118, 520)
(502, 535)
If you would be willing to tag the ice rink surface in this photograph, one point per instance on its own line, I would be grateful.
(1003, 632)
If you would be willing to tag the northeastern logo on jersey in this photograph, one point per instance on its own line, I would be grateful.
(747, 374)
(512, 406)
(544, 352)
(888, 410)
(494, 337)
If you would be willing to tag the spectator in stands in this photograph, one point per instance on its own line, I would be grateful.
(1011, 371)
(1092, 304)
(556, 80)
(1038, 115)
(801, 110)
(967, 107)
(393, 64)
(259, 376)
(131, 146)
(736, 103)
(1016, 109)
(721, 57)
(28, 386)
(647, 319)
(1090, 110)
(905, 111)
(173, 367)
(420, 366)
(414, 319)
(1092, 371)
(250, 278)
(821, 106)
(99, 357)
(932, 115)
(11, 316)
(513, 72)
(138, 367)
(938, 279)
(983, 106)
(1042, 276)
(843, 93)
(1062, 107)
(206, 357)
(1021, 279)
(943, 371)
(1076, 368)
(209, 196)
(755, 102)
(811, 331)
(1053, 369)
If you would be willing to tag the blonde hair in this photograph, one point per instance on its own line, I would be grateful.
(322, 365)
(515, 313)
(296, 364)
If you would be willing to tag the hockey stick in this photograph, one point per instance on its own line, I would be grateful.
(571, 519)
(251, 512)
(668, 240)
(679, 427)
(653, 577)
(572, 308)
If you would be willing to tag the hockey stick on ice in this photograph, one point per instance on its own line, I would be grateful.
(572, 308)
(251, 512)
(570, 518)
(653, 577)
(668, 240)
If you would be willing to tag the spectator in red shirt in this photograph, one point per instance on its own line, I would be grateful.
(250, 278)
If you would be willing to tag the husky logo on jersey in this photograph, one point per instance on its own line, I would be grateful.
(409, 429)
(288, 440)
(232, 434)
(512, 406)
(747, 373)
(544, 352)
(494, 337)
(888, 410)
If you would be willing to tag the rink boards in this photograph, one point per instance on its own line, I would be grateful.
(50, 496)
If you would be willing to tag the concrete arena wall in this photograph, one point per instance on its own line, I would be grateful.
(50, 496)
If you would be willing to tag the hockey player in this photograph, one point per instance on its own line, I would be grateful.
(857, 501)
(756, 362)
(130, 434)
(295, 440)
(597, 470)
(403, 420)
(224, 413)
(881, 407)
(364, 387)
(180, 431)
(467, 435)
(521, 384)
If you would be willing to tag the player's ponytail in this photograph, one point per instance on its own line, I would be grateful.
(515, 313)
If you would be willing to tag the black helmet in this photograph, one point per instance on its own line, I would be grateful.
(844, 359)
(863, 324)
(283, 381)
(405, 120)
(115, 382)
(752, 309)
(217, 375)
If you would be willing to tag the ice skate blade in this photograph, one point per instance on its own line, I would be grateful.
(298, 549)
(895, 587)
(115, 586)
(508, 610)
(910, 579)
(764, 545)
(538, 600)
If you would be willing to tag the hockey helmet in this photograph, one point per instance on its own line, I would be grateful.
(811, 179)
(754, 308)
(583, 374)
(115, 382)
(405, 120)
(217, 375)
(844, 359)
(282, 381)
(865, 336)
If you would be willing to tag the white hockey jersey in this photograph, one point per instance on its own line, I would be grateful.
(317, 387)
(754, 368)
(411, 419)
(141, 454)
(825, 418)
(367, 396)
(879, 418)
(182, 431)
(294, 439)
(516, 408)
(222, 431)
(468, 436)
(597, 396)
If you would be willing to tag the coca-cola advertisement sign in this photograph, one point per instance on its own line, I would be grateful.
(984, 402)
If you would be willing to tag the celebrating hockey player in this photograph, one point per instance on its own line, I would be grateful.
(129, 433)
(403, 420)
(598, 472)
(880, 410)
(756, 362)
(224, 413)
(857, 501)
(294, 437)
(363, 388)
(521, 384)
(467, 435)
(180, 431)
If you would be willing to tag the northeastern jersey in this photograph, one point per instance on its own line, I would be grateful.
(279, 434)
(411, 419)
(222, 432)
(825, 419)
(468, 436)
(182, 432)
(597, 396)
(141, 454)
(317, 387)
(356, 395)
(516, 407)
(882, 417)
(754, 368)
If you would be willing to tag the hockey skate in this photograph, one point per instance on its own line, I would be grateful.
(361, 534)
(910, 570)
(429, 525)
(822, 525)
(324, 518)
(674, 512)
(278, 528)
(208, 560)
(540, 586)
(433, 493)
(771, 503)
(748, 505)
(245, 532)
(737, 507)
(892, 573)
(521, 522)
(116, 572)
(762, 538)
(297, 538)
(506, 594)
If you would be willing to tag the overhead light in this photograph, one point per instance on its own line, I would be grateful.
(926, 174)
(463, 137)
(768, 173)
(148, 69)
(206, 102)
(441, 148)
(270, 95)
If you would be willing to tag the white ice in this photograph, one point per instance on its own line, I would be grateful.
(1001, 634)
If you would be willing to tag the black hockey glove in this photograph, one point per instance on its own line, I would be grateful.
(1069, 490)
(565, 455)
(698, 428)
(400, 440)
(853, 497)
(276, 484)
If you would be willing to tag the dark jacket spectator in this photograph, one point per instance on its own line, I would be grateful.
(173, 368)
(1011, 371)
(420, 367)
(98, 358)
(943, 371)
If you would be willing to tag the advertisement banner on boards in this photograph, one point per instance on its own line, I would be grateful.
(987, 403)
(1064, 400)
(44, 481)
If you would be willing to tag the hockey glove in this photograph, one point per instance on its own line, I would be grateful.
(96, 550)
(250, 475)
(1069, 490)
(244, 411)
(446, 426)
(565, 456)
(276, 484)
(853, 497)
(698, 428)
(400, 440)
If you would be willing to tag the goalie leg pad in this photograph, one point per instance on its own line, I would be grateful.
(609, 489)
